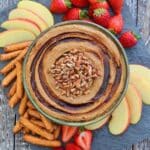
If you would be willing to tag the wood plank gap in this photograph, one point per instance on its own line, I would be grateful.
(137, 12)
(14, 143)
(132, 147)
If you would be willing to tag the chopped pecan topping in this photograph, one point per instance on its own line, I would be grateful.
(74, 73)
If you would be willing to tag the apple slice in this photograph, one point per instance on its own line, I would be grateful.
(21, 24)
(120, 118)
(28, 15)
(98, 124)
(15, 36)
(140, 71)
(135, 103)
(142, 86)
(38, 9)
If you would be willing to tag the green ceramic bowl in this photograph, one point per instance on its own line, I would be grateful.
(122, 51)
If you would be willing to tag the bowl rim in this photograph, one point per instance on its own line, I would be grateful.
(122, 94)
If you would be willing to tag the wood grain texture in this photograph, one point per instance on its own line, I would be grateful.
(140, 10)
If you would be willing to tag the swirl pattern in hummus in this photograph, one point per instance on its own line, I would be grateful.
(104, 55)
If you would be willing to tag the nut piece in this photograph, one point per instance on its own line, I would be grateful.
(74, 73)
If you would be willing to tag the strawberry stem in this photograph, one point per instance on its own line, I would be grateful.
(81, 129)
(137, 36)
(68, 3)
(99, 11)
(112, 31)
(83, 14)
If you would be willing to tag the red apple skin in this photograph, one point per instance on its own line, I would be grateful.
(128, 122)
(35, 14)
(140, 97)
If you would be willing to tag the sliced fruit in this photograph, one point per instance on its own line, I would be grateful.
(21, 24)
(140, 71)
(98, 124)
(15, 36)
(38, 9)
(120, 118)
(135, 103)
(142, 86)
(68, 132)
(72, 146)
(26, 14)
(84, 139)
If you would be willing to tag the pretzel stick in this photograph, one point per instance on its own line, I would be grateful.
(8, 56)
(48, 124)
(57, 132)
(23, 105)
(26, 115)
(38, 123)
(13, 101)
(12, 90)
(19, 90)
(11, 64)
(17, 46)
(29, 104)
(42, 132)
(25, 130)
(34, 113)
(41, 142)
(9, 78)
(17, 128)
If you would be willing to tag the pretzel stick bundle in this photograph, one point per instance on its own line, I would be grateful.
(12, 63)
(34, 129)
(39, 131)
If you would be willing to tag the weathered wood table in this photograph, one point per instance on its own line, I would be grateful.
(140, 10)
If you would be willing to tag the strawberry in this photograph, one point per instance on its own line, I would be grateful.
(68, 132)
(101, 4)
(60, 6)
(75, 14)
(116, 5)
(80, 3)
(59, 148)
(101, 16)
(84, 139)
(116, 24)
(129, 39)
(72, 146)
(95, 1)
